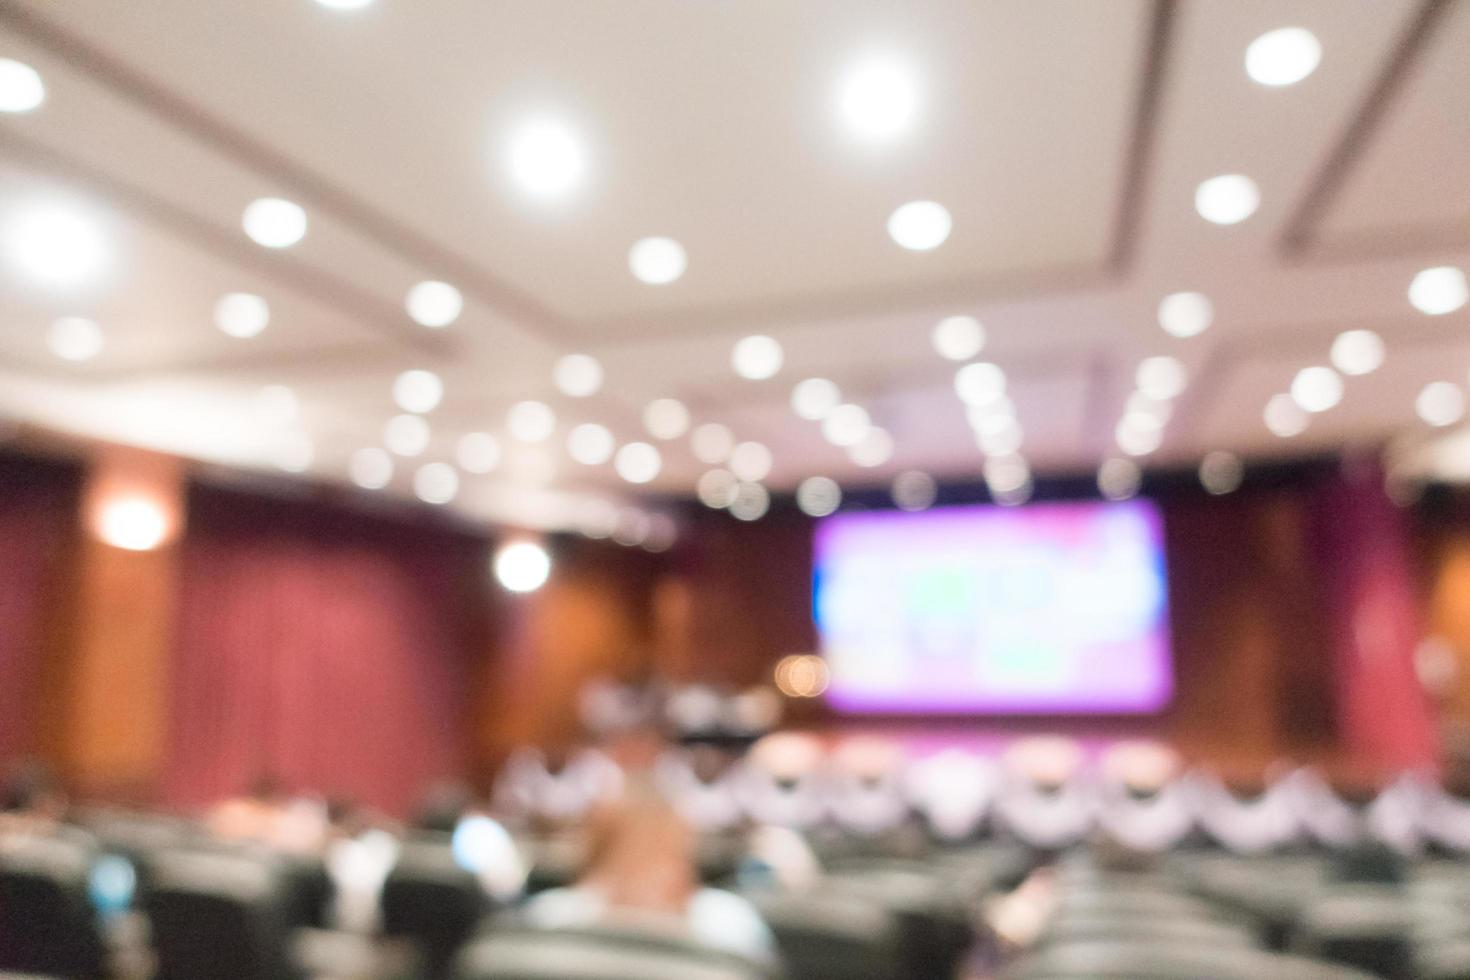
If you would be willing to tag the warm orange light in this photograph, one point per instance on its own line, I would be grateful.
(802, 675)
(132, 523)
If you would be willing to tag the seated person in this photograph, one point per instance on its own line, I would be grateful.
(953, 791)
(864, 789)
(1140, 802)
(269, 816)
(554, 788)
(1244, 815)
(781, 783)
(32, 800)
(1043, 799)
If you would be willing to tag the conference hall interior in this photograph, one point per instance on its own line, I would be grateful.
(734, 489)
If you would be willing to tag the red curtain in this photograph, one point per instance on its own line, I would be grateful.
(326, 648)
(38, 506)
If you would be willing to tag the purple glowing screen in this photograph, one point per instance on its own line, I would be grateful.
(1046, 609)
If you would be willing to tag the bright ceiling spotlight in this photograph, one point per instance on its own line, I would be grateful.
(1440, 403)
(878, 98)
(56, 244)
(418, 391)
(716, 488)
(846, 425)
(757, 357)
(21, 88)
(406, 435)
(371, 468)
(958, 338)
(1317, 389)
(712, 443)
(813, 398)
(1284, 417)
(530, 421)
(874, 449)
(750, 462)
(132, 523)
(1006, 474)
(241, 315)
(920, 226)
(666, 418)
(1439, 290)
(751, 502)
(980, 383)
(1282, 57)
(590, 444)
(1228, 199)
(75, 339)
(1119, 479)
(657, 261)
(638, 462)
(477, 452)
(818, 496)
(546, 158)
(577, 375)
(1161, 378)
(1186, 314)
(436, 483)
(1136, 441)
(1221, 473)
(1356, 352)
(523, 566)
(274, 222)
(434, 304)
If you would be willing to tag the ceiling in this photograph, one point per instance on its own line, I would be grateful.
(1066, 139)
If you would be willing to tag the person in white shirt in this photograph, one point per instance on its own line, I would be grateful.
(953, 791)
(864, 786)
(1140, 802)
(1043, 799)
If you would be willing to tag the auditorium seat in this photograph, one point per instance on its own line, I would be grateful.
(530, 955)
(828, 936)
(1151, 960)
(47, 924)
(429, 899)
(933, 916)
(1364, 926)
(219, 915)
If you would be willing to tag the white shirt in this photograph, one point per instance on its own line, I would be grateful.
(718, 919)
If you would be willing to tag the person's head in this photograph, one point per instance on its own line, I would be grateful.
(442, 807)
(34, 790)
(266, 788)
(641, 854)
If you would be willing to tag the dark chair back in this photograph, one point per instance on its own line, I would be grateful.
(432, 901)
(47, 924)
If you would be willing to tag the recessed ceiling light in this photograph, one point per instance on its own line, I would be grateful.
(1119, 479)
(1439, 290)
(757, 357)
(716, 489)
(657, 261)
(406, 435)
(1221, 473)
(1357, 352)
(751, 502)
(436, 483)
(418, 391)
(242, 315)
(1316, 389)
(914, 490)
(874, 449)
(1161, 378)
(666, 418)
(75, 338)
(958, 338)
(477, 452)
(920, 225)
(546, 158)
(56, 244)
(750, 461)
(712, 443)
(277, 406)
(590, 444)
(1186, 314)
(294, 452)
(818, 496)
(1227, 199)
(21, 88)
(531, 421)
(523, 566)
(1440, 403)
(434, 304)
(846, 425)
(1137, 440)
(577, 375)
(274, 222)
(1006, 474)
(1285, 418)
(1001, 439)
(371, 468)
(638, 462)
(879, 98)
(979, 383)
(813, 398)
(1284, 56)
